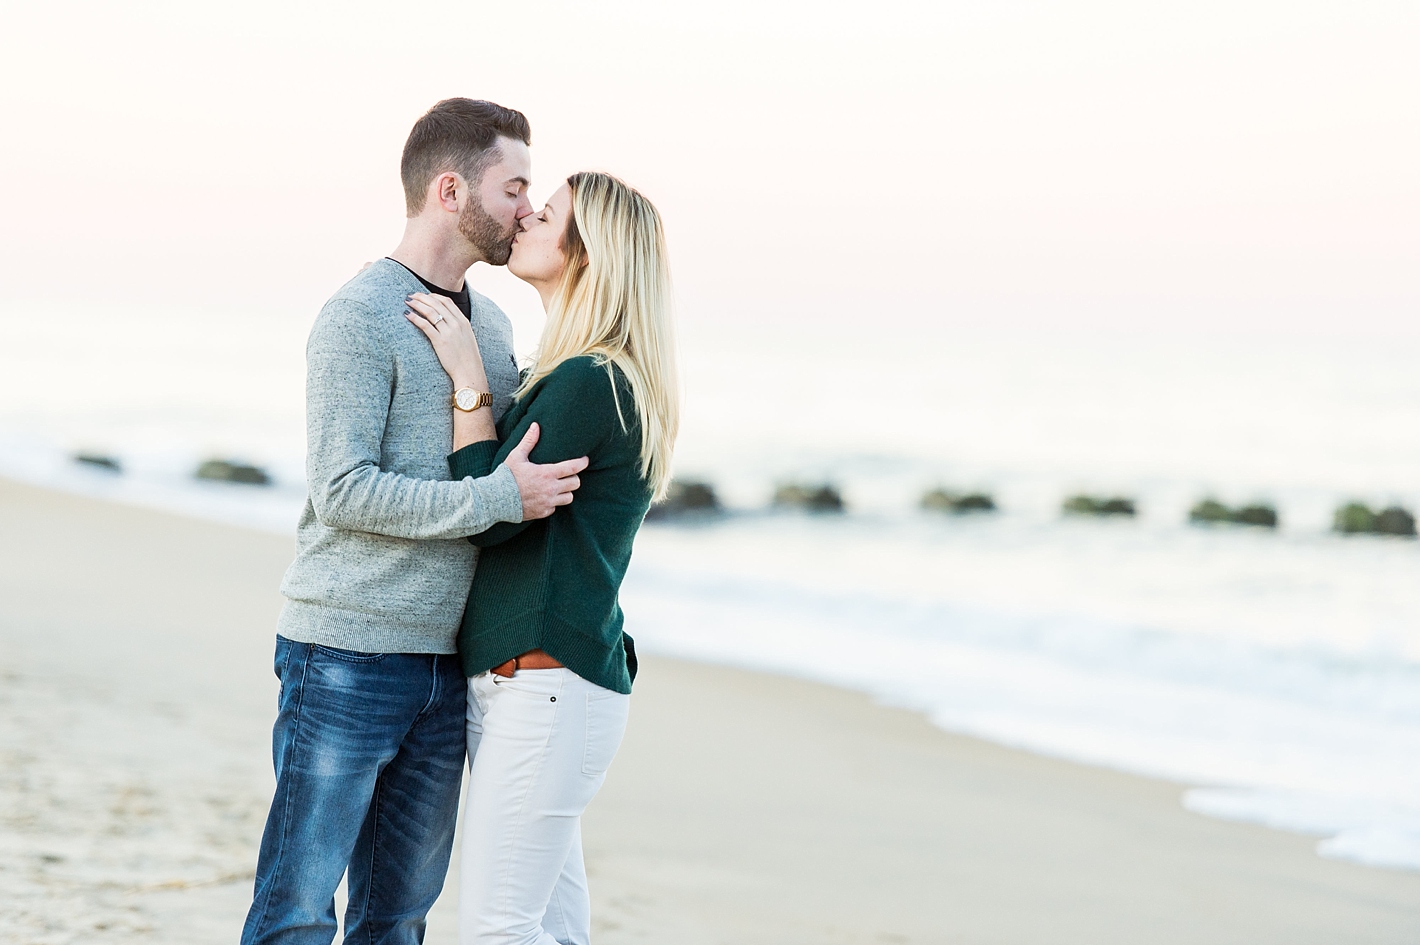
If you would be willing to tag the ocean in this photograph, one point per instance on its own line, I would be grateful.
(1275, 673)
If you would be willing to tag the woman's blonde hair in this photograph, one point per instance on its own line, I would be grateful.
(614, 303)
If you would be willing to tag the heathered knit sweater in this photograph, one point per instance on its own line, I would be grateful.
(553, 583)
(382, 564)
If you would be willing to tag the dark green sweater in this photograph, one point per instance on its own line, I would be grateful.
(553, 583)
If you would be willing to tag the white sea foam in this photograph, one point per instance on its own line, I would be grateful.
(1316, 738)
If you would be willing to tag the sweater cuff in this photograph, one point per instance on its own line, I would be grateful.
(475, 459)
(499, 492)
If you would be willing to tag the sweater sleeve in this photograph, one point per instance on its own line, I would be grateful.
(577, 411)
(349, 383)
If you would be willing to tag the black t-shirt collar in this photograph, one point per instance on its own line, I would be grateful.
(461, 298)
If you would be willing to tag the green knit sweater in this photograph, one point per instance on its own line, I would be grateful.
(553, 583)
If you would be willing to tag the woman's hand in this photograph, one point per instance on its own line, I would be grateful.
(452, 337)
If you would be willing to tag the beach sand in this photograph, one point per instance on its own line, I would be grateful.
(136, 698)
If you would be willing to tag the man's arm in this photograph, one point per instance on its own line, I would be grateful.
(349, 383)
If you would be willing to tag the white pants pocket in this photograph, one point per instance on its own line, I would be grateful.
(607, 712)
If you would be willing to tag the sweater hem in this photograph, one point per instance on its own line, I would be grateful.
(322, 624)
(595, 661)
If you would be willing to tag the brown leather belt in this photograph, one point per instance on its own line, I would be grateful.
(532, 659)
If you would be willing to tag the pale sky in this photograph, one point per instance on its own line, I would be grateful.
(1236, 164)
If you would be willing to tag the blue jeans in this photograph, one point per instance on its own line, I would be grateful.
(369, 751)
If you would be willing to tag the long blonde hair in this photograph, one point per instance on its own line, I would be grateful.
(614, 303)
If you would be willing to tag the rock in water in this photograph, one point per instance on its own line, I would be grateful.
(1210, 511)
(1395, 521)
(686, 498)
(1354, 518)
(1093, 505)
(943, 500)
(99, 462)
(976, 502)
(820, 498)
(224, 470)
(939, 500)
(1264, 516)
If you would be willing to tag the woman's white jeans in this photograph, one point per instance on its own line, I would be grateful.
(539, 745)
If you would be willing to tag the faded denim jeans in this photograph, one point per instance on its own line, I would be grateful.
(369, 752)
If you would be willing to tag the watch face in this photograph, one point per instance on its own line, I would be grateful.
(466, 398)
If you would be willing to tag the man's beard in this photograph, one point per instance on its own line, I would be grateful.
(480, 229)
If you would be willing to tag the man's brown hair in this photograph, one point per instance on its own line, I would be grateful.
(459, 135)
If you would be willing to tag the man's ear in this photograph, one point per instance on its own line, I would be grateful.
(446, 189)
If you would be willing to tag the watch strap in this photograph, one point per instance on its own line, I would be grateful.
(482, 398)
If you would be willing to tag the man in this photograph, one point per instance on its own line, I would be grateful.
(369, 739)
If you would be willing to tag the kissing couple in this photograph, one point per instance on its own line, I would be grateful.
(449, 599)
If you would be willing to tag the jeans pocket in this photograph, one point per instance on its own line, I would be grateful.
(279, 664)
(348, 656)
(606, 724)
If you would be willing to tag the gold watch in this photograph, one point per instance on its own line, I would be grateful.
(469, 400)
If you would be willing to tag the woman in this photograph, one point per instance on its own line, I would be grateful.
(550, 669)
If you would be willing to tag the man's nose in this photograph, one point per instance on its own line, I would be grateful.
(524, 210)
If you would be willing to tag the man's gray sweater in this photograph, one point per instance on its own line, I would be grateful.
(381, 561)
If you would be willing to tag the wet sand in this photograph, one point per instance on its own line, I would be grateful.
(136, 697)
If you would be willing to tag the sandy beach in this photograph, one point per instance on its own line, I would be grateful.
(136, 697)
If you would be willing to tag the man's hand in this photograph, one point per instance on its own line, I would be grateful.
(542, 488)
